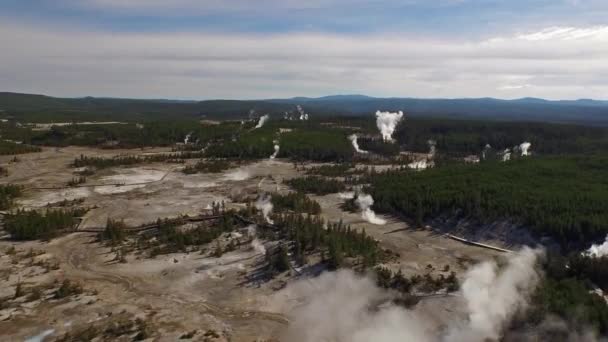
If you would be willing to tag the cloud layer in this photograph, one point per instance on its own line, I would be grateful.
(557, 62)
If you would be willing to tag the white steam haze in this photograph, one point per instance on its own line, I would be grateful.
(418, 165)
(432, 148)
(365, 203)
(344, 307)
(256, 244)
(525, 148)
(264, 204)
(597, 251)
(237, 175)
(353, 139)
(387, 123)
(262, 121)
(346, 195)
(506, 155)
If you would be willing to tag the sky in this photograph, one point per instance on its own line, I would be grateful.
(255, 49)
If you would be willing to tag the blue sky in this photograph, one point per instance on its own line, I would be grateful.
(269, 48)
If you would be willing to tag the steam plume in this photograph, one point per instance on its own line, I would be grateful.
(336, 308)
(262, 121)
(353, 139)
(365, 202)
(276, 150)
(432, 148)
(264, 204)
(506, 155)
(494, 296)
(187, 138)
(256, 244)
(486, 149)
(344, 307)
(303, 115)
(387, 123)
(597, 251)
(524, 148)
(418, 165)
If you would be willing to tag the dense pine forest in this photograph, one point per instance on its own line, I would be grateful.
(32, 225)
(459, 138)
(565, 197)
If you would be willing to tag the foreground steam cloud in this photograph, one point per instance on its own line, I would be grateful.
(344, 307)
(387, 123)
(353, 139)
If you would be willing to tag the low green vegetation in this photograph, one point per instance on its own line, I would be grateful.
(174, 237)
(340, 245)
(316, 185)
(464, 137)
(107, 162)
(208, 166)
(114, 233)
(337, 170)
(387, 279)
(296, 202)
(561, 197)
(566, 293)
(244, 145)
(322, 145)
(8, 193)
(11, 148)
(33, 225)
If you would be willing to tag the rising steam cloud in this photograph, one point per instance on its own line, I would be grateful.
(525, 148)
(486, 150)
(344, 307)
(432, 148)
(506, 155)
(387, 123)
(302, 113)
(264, 204)
(365, 203)
(187, 138)
(353, 139)
(256, 244)
(262, 121)
(276, 149)
(597, 251)
(493, 296)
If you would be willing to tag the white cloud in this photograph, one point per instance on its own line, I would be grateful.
(599, 33)
(195, 65)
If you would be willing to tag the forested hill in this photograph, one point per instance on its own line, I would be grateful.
(565, 197)
(44, 108)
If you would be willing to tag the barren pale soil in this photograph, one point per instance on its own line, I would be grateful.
(188, 295)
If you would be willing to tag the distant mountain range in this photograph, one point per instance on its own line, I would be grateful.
(45, 108)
